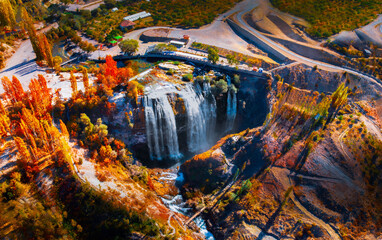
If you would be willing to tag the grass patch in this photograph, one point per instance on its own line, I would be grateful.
(328, 17)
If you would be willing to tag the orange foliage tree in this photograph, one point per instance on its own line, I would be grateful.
(73, 82)
(41, 98)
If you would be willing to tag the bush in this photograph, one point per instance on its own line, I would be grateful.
(220, 86)
(187, 77)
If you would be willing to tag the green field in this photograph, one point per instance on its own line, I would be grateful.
(328, 17)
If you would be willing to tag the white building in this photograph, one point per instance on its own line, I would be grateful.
(137, 16)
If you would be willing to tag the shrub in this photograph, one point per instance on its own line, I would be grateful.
(187, 77)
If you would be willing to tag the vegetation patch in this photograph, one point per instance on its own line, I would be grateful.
(328, 17)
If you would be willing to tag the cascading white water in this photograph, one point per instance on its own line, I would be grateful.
(209, 110)
(231, 109)
(161, 129)
(201, 115)
(161, 132)
(177, 203)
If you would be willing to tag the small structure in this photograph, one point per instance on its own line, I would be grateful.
(137, 16)
(118, 38)
(113, 43)
(114, 9)
(177, 44)
(367, 52)
(186, 37)
(126, 25)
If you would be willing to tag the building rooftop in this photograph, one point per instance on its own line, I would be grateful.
(127, 23)
(176, 42)
(137, 16)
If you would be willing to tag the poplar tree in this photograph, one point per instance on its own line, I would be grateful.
(73, 82)
(85, 79)
(33, 37)
(7, 15)
(47, 49)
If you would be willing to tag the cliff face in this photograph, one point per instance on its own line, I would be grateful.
(313, 170)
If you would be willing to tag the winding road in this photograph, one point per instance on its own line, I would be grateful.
(292, 55)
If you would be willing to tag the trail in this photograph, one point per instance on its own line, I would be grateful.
(285, 179)
(340, 140)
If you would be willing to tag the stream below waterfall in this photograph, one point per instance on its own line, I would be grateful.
(177, 204)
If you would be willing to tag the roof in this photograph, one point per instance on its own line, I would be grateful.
(137, 16)
(176, 42)
(117, 37)
(127, 23)
(112, 41)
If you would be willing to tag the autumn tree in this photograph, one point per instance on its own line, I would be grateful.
(41, 99)
(35, 41)
(19, 91)
(133, 90)
(111, 67)
(13, 90)
(7, 15)
(4, 126)
(73, 83)
(85, 79)
(125, 74)
(3, 111)
(47, 49)
(57, 60)
(64, 130)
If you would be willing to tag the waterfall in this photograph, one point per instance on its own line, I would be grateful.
(201, 115)
(231, 109)
(161, 132)
(161, 129)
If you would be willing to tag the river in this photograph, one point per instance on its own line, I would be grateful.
(177, 204)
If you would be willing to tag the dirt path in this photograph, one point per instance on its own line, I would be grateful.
(284, 178)
(332, 233)
(340, 140)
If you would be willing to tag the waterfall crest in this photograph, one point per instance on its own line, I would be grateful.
(161, 132)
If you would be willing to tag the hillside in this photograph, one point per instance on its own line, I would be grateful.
(330, 17)
(312, 171)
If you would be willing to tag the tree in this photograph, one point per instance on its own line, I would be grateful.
(64, 130)
(73, 83)
(7, 15)
(33, 37)
(160, 47)
(231, 59)
(47, 49)
(220, 86)
(213, 55)
(129, 46)
(85, 79)
(57, 60)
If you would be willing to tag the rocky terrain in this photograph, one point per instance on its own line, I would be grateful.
(313, 170)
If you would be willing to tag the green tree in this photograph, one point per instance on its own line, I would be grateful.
(164, 47)
(231, 59)
(129, 46)
(213, 55)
